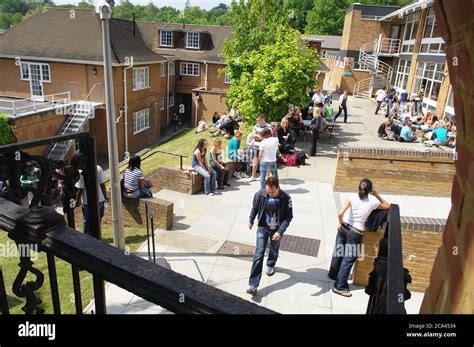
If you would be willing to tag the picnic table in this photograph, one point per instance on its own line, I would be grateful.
(329, 125)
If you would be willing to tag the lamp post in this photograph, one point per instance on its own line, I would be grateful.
(116, 198)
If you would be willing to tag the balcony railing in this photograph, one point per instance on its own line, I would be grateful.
(31, 105)
(44, 229)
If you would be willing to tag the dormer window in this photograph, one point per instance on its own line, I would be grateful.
(192, 40)
(166, 38)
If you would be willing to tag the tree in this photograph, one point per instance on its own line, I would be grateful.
(326, 17)
(274, 77)
(298, 12)
(6, 133)
(254, 24)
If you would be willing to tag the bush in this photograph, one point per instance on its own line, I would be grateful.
(6, 133)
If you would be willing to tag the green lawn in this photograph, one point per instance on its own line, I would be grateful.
(134, 237)
(182, 144)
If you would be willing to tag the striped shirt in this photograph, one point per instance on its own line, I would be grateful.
(131, 178)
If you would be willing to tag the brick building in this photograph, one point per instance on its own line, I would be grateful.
(52, 77)
(392, 46)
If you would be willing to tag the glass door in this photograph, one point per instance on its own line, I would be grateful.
(36, 82)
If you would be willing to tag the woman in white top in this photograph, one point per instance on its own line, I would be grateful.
(352, 219)
(268, 156)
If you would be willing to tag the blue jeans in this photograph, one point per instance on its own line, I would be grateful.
(210, 181)
(263, 234)
(85, 217)
(264, 167)
(344, 256)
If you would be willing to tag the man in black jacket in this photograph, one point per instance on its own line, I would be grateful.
(274, 212)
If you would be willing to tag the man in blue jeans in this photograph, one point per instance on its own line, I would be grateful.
(274, 212)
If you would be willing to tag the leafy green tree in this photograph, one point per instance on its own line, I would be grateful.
(6, 133)
(298, 12)
(274, 76)
(327, 17)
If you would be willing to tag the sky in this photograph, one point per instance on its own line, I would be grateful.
(179, 4)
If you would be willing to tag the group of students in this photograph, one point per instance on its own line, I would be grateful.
(426, 129)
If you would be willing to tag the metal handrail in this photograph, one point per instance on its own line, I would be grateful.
(64, 131)
(92, 89)
(14, 109)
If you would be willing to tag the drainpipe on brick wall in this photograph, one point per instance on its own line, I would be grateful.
(125, 106)
(206, 77)
(168, 92)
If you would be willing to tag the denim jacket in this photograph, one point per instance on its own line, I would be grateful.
(285, 209)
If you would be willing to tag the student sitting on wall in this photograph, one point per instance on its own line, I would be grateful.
(134, 183)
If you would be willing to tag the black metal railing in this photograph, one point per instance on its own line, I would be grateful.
(387, 283)
(39, 226)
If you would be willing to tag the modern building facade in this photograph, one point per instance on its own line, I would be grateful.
(393, 47)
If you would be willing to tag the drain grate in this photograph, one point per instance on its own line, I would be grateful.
(300, 245)
(289, 243)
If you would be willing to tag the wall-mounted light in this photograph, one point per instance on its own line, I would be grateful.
(94, 70)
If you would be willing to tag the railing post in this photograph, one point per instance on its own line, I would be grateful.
(181, 162)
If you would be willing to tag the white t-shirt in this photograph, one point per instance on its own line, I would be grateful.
(269, 147)
(318, 98)
(360, 210)
(380, 95)
(100, 180)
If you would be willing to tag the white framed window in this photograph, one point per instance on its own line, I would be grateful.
(428, 77)
(402, 71)
(25, 72)
(226, 77)
(43, 72)
(163, 69)
(162, 103)
(172, 68)
(322, 54)
(432, 43)
(141, 78)
(192, 40)
(141, 121)
(189, 69)
(166, 38)
(410, 29)
(171, 100)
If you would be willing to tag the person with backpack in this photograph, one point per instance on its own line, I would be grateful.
(273, 209)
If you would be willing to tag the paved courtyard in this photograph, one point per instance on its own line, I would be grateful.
(203, 225)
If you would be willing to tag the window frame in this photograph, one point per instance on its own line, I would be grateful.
(171, 100)
(169, 35)
(194, 33)
(428, 76)
(430, 40)
(145, 113)
(162, 103)
(172, 68)
(42, 74)
(163, 70)
(186, 73)
(146, 76)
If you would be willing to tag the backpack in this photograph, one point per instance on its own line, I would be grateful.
(291, 159)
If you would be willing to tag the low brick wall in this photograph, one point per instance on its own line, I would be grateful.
(421, 238)
(134, 213)
(395, 170)
(183, 181)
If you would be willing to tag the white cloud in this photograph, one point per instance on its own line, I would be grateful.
(179, 4)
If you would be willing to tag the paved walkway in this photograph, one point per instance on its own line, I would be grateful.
(204, 224)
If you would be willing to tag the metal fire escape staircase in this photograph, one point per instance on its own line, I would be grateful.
(78, 115)
(381, 72)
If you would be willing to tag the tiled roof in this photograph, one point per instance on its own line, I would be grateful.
(60, 34)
